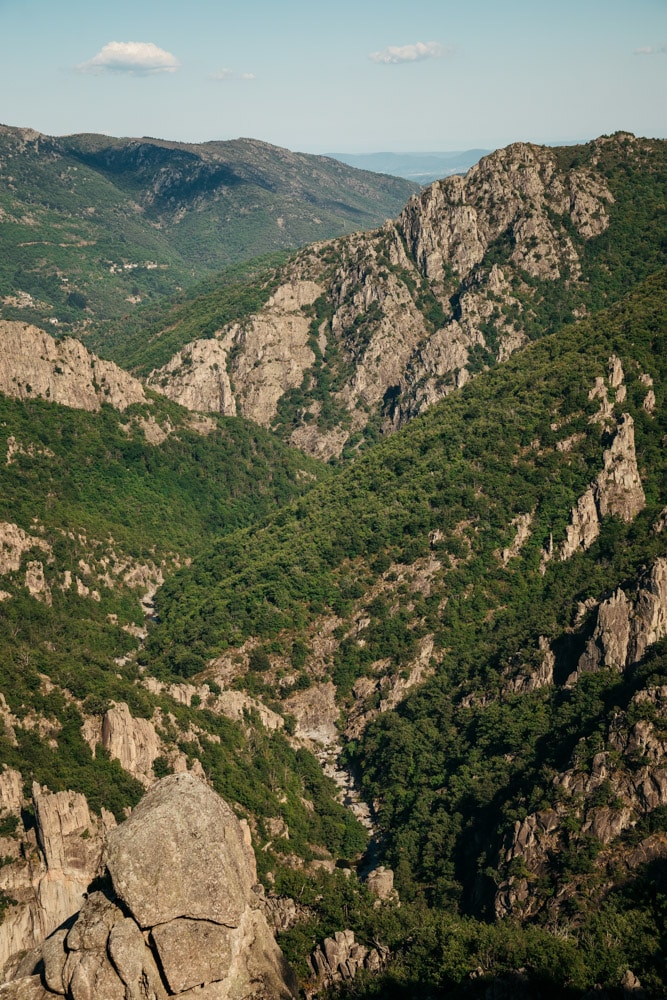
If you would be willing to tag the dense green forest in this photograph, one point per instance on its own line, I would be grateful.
(404, 545)
(423, 593)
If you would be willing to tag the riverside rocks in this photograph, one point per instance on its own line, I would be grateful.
(178, 916)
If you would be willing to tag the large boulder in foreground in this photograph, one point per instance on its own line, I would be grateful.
(181, 854)
(178, 918)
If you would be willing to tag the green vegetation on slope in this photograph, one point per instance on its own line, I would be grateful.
(174, 495)
(476, 461)
(92, 225)
(149, 337)
(106, 510)
(404, 545)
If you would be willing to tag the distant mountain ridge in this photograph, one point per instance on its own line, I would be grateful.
(92, 225)
(422, 168)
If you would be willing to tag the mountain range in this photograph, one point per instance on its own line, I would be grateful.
(422, 168)
(373, 541)
(93, 225)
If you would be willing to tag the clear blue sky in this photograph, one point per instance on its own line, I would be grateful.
(349, 76)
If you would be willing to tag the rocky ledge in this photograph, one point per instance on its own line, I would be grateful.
(174, 914)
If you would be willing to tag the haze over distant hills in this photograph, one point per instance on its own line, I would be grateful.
(422, 168)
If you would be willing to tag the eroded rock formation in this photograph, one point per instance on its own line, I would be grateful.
(606, 798)
(401, 313)
(340, 958)
(35, 366)
(178, 918)
(53, 864)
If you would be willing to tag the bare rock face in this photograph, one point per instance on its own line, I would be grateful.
(608, 646)
(618, 487)
(522, 524)
(180, 918)
(340, 958)
(14, 542)
(34, 365)
(381, 883)
(650, 620)
(59, 863)
(617, 490)
(624, 627)
(28, 988)
(186, 819)
(265, 356)
(316, 712)
(584, 526)
(407, 309)
(197, 378)
(133, 742)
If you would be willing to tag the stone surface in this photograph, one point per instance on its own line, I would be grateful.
(381, 883)
(54, 955)
(96, 919)
(339, 958)
(133, 742)
(617, 490)
(193, 952)
(14, 543)
(265, 355)
(134, 962)
(29, 988)
(196, 377)
(49, 887)
(522, 525)
(91, 976)
(34, 365)
(618, 487)
(200, 870)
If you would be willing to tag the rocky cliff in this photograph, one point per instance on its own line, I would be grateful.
(472, 269)
(34, 365)
(47, 871)
(595, 801)
(177, 915)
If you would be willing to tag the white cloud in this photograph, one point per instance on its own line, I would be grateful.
(131, 57)
(409, 53)
(229, 74)
(651, 50)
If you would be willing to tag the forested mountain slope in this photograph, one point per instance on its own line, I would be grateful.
(469, 619)
(505, 556)
(360, 334)
(93, 225)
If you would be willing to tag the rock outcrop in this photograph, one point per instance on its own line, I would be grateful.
(53, 866)
(617, 491)
(262, 357)
(35, 366)
(133, 742)
(382, 325)
(339, 958)
(178, 918)
(607, 798)
(626, 627)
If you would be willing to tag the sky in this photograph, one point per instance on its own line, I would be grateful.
(351, 76)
